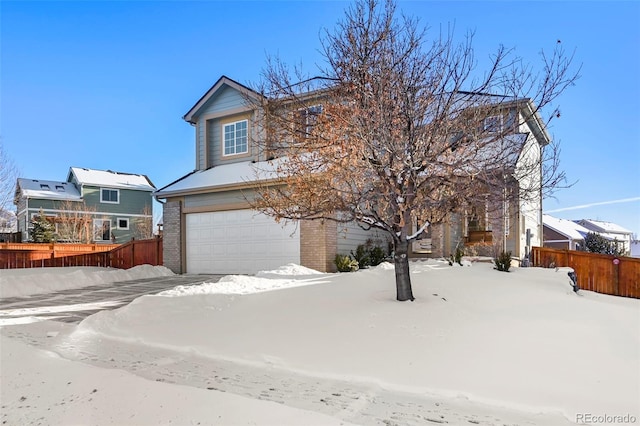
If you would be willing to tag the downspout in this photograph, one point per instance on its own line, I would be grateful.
(540, 224)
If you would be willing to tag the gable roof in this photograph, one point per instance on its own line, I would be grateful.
(222, 81)
(566, 227)
(47, 189)
(111, 179)
(603, 227)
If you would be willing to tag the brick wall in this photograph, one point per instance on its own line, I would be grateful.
(318, 244)
(172, 236)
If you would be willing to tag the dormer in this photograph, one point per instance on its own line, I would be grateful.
(226, 125)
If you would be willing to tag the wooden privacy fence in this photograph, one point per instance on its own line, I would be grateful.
(123, 256)
(137, 252)
(618, 276)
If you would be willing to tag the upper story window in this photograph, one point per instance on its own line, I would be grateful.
(44, 186)
(108, 195)
(493, 124)
(307, 118)
(59, 188)
(235, 138)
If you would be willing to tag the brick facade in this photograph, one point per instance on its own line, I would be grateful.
(172, 236)
(318, 244)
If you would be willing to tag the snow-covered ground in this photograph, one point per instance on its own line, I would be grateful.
(30, 281)
(477, 346)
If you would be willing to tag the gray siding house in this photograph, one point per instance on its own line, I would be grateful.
(208, 226)
(91, 205)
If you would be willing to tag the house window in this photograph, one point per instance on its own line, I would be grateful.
(109, 196)
(235, 138)
(59, 188)
(123, 223)
(307, 118)
(102, 229)
(44, 186)
(493, 124)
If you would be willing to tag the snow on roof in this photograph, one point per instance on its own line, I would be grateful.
(228, 174)
(48, 189)
(112, 179)
(566, 227)
(607, 227)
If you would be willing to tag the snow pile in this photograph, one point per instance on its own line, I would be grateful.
(30, 281)
(287, 276)
(522, 339)
(291, 270)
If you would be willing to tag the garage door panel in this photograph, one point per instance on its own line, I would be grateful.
(239, 241)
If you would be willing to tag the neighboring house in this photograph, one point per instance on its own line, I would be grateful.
(635, 248)
(208, 225)
(616, 233)
(8, 222)
(113, 206)
(563, 234)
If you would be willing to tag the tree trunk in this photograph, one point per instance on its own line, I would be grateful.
(403, 280)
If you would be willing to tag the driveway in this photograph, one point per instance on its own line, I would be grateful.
(73, 305)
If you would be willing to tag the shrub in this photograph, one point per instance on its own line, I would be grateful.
(362, 256)
(345, 263)
(377, 255)
(503, 261)
(369, 254)
(457, 257)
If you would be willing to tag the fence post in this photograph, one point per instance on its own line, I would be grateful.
(616, 276)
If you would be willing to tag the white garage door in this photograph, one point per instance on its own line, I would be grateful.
(238, 242)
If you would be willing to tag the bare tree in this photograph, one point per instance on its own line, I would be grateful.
(75, 222)
(398, 130)
(8, 177)
(144, 225)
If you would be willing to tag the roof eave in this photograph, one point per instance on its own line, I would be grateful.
(212, 189)
(539, 129)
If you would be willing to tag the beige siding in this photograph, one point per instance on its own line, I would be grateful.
(216, 200)
(350, 235)
(208, 129)
(214, 140)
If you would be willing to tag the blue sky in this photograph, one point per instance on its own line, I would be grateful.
(104, 84)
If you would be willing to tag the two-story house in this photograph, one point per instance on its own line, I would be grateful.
(208, 225)
(90, 205)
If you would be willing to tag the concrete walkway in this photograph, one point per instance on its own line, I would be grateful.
(74, 305)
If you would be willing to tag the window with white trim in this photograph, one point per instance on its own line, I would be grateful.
(108, 195)
(101, 229)
(123, 223)
(235, 138)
